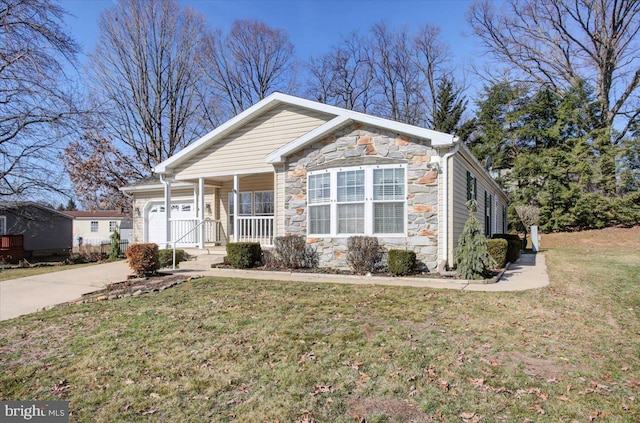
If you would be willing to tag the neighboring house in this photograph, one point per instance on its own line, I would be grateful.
(95, 227)
(293, 166)
(45, 231)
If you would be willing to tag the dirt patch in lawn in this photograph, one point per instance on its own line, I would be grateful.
(601, 238)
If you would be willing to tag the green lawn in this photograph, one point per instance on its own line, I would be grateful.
(242, 350)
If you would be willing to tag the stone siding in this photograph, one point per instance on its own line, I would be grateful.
(357, 141)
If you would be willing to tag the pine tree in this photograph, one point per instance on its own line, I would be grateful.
(114, 248)
(472, 254)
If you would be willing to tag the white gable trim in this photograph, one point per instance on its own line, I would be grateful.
(438, 139)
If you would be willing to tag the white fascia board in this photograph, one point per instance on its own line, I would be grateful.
(154, 187)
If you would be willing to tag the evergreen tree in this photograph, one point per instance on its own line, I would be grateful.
(114, 249)
(450, 105)
(472, 254)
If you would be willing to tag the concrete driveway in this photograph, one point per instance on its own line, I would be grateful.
(33, 293)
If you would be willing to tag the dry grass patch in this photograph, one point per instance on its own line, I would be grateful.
(245, 350)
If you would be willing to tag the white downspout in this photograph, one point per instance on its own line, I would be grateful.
(167, 208)
(445, 199)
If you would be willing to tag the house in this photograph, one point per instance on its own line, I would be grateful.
(293, 166)
(94, 227)
(41, 230)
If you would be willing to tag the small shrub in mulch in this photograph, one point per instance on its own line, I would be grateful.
(243, 255)
(363, 255)
(498, 251)
(143, 259)
(401, 262)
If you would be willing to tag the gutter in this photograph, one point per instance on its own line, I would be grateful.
(445, 200)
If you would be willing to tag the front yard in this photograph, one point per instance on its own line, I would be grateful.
(243, 350)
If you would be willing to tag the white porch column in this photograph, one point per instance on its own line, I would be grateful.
(167, 214)
(236, 195)
(201, 210)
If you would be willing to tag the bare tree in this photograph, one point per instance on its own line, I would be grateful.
(561, 43)
(344, 76)
(391, 73)
(397, 75)
(145, 79)
(36, 105)
(249, 63)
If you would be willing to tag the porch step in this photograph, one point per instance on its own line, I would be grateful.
(202, 259)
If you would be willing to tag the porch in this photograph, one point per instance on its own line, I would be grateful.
(215, 219)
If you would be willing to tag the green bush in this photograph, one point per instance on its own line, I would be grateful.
(471, 255)
(143, 259)
(166, 257)
(513, 247)
(498, 251)
(243, 255)
(401, 262)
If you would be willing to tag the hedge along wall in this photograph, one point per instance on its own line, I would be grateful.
(370, 144)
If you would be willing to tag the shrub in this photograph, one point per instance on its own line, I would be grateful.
(498, 251)
(165, 257)
(114, 248)
(243, 255)
(514, 245)
(293, 252)
(363, 254)
(143, 259)
(471, 256)
(401, 262)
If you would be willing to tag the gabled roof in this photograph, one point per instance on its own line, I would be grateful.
(342, 117)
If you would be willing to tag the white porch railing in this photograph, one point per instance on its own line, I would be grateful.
(183, 229)
(255, 229)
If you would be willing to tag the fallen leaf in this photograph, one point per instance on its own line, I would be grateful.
(150, 411)
(154, 395)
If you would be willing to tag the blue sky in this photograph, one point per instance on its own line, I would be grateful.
(313, 26)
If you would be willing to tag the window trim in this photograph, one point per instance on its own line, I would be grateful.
(369, 201)
(97, 224)
(472, 187)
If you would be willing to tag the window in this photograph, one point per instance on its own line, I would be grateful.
(472, 187)
(3, 225)
(388, 197)
(319, 196)
(263, 203)
(94, 226)
(357, 201)
(351, 202)
(185, 207)
(113, 226)
(259, 203)
(504, 220)
(488, 212)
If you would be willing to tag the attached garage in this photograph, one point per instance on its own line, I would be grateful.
(182, 211)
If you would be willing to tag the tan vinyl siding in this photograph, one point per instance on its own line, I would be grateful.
(459, 214)
(246, 149)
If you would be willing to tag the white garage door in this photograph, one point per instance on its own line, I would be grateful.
(156, 219)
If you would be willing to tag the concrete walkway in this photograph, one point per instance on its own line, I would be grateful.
(33, 293)
(529, 272)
